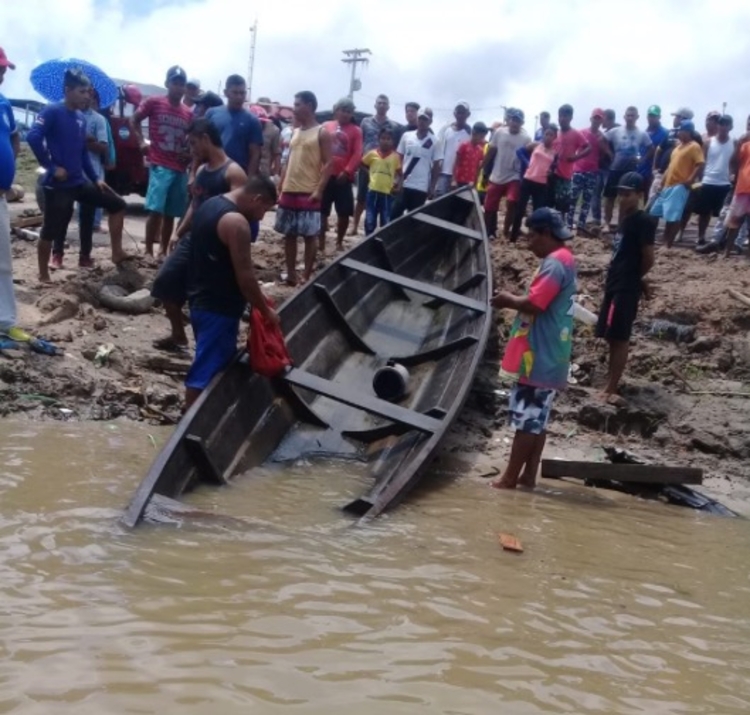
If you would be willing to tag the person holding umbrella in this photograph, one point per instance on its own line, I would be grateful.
(58, 140)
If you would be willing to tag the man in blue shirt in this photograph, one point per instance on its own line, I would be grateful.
(58, 140)
(658, 135)
(9, 147)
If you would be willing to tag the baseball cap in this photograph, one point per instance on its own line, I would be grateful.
(464, 104)
(684, 113)
(654, 111)
(176, 72)
(479, 128)
(193, 82)
(686, 126)
(424, 113)
(631, 180)
(597, 113)
(4, 61)
(713, 114)
(514, 113)
(549, 219)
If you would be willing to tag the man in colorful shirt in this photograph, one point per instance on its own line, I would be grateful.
(168, 156)
(346, 151)
(537, 357)
(371, 128)
(470, 156)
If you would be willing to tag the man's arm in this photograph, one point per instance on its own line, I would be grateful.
(37, 139)
(584, 149)
(648, 258)
(355, 157)
(234, 233)
(489, 160)
(135, 123)
(255, 145)
(520, 303)
(699, 164)
(275, 167)
(236, 177)
(88, 167)
(326, 158)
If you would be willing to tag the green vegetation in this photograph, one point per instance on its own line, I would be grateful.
(26, 166)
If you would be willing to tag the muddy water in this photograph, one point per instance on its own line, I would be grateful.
(615, 607)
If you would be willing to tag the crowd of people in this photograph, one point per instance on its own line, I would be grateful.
(217, 166)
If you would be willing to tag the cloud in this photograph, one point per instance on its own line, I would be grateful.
(536, 56)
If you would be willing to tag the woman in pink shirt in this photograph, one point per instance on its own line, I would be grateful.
(585, 174)
(535, 184)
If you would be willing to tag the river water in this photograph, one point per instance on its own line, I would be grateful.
(280, 606)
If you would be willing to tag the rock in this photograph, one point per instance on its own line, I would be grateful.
(725, 362)
(100, 323)
(66, 308)
(662, 436)
(707, 443)
(704, 344)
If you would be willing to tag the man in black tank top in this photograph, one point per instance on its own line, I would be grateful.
(217, 174)
(221, 278)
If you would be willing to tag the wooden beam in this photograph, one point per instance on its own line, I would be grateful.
(632, 473)
(417, 286)
(738, 296)
(448, 226)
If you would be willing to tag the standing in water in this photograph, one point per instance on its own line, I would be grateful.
(537, 357)
(168, 155)
(221, 278)
(632, 259)
(58, 140)
(346, 153)
(383, 165)
(535, 184)
(217, 174)
(305, 176)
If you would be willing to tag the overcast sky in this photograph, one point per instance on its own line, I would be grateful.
(535, 55)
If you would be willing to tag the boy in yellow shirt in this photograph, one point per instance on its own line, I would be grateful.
(384, 165)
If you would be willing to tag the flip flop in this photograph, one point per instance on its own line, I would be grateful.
(169, 346)
(44, 347)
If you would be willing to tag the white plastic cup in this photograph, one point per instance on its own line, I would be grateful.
(584, 315)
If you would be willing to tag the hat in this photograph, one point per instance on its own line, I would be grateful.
(726, 119)
(259, 112)
(631, 181)
(597, 113)
(684, 113)
(193, 82)
(549, 219)
(424, 113)
(686, 126)
(176, 72)
(713, 114)
(654, 111)
(4, 61)
(464, 104)
(210, 99)
(479, 128)
(514, 113)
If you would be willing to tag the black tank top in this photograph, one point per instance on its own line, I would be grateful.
(212, 283)
(210, 182)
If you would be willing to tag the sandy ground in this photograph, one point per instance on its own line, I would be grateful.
(683, 400)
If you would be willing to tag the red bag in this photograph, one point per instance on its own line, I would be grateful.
(266, 348)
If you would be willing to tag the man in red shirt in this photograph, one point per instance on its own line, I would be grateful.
(346, 153)
(168, 155)
(570, 147)
(469, 157)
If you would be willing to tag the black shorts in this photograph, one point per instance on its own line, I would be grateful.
(613, 181)
(170, 285)
(339, 195)
(710, 199)
(617, 315)
(363, 183)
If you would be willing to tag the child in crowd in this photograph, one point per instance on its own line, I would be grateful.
(470, 156)
(384, 165)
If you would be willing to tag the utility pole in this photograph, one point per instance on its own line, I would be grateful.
(353, 58)
(251, 60)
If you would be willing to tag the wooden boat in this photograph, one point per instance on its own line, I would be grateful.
(416, 293)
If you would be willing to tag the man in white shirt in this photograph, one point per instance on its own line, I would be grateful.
(716, 182)
(419, 166)
(450, 137)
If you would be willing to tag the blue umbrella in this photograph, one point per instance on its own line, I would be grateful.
(48, 78)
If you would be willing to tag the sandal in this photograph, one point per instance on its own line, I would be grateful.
(168, 345)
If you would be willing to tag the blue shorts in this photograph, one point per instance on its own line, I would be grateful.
(170, 285)
(215, 346)
(167, 191)
(670, 203)
(529, 408)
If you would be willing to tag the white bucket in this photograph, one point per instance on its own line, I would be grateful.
(584, 315)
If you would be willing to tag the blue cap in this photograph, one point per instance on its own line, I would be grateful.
(549, 219)
(686, 126)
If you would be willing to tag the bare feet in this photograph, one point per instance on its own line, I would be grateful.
(45, 278)
(353, 231)
(612, 398)
(502, 484)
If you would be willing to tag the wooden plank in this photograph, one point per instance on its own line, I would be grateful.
(739, 296)
(417, 286)
(356, 398)
(27, 221)
(633, 473)
(449, 226)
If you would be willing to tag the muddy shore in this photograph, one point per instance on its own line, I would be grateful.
(683, 405)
